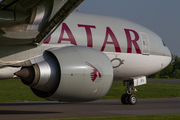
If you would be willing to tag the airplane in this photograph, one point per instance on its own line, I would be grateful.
(72, 56)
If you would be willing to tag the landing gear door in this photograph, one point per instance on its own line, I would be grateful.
(145, 44)
(140, 81)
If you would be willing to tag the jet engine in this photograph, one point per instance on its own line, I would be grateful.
(71, 74)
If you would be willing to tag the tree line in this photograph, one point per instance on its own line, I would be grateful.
(172, 71)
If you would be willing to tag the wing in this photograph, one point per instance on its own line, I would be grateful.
(32, 21)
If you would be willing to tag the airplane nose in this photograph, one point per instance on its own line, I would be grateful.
(168, 52)
(167, 58)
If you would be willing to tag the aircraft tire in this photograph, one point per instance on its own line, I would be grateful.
(132, 99)
(124, 99)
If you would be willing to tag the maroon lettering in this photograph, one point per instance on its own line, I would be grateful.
(114, 40)
(47, 40)
(88, 33)
(130, 41)
(71, 38)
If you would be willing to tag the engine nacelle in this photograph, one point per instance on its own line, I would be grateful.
(71, 74)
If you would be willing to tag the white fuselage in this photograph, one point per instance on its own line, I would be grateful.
(133, 49)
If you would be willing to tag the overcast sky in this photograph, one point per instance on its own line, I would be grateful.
(160, 16)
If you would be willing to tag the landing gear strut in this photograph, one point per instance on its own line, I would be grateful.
(128, 97)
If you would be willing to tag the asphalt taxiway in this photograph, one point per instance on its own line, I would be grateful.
(164, 80)
(47, 110)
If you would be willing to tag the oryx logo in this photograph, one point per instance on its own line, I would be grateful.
(97, 72)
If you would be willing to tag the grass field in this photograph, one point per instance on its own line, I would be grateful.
(150, 90)
(137, 117)
(14, 90)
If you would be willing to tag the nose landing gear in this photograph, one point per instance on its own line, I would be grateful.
(129, 98)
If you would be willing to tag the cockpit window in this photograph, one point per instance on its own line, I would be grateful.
(163, 43)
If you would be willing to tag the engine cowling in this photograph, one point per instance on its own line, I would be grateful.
(71, 74)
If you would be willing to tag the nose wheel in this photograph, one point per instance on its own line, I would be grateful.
(129, 98)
